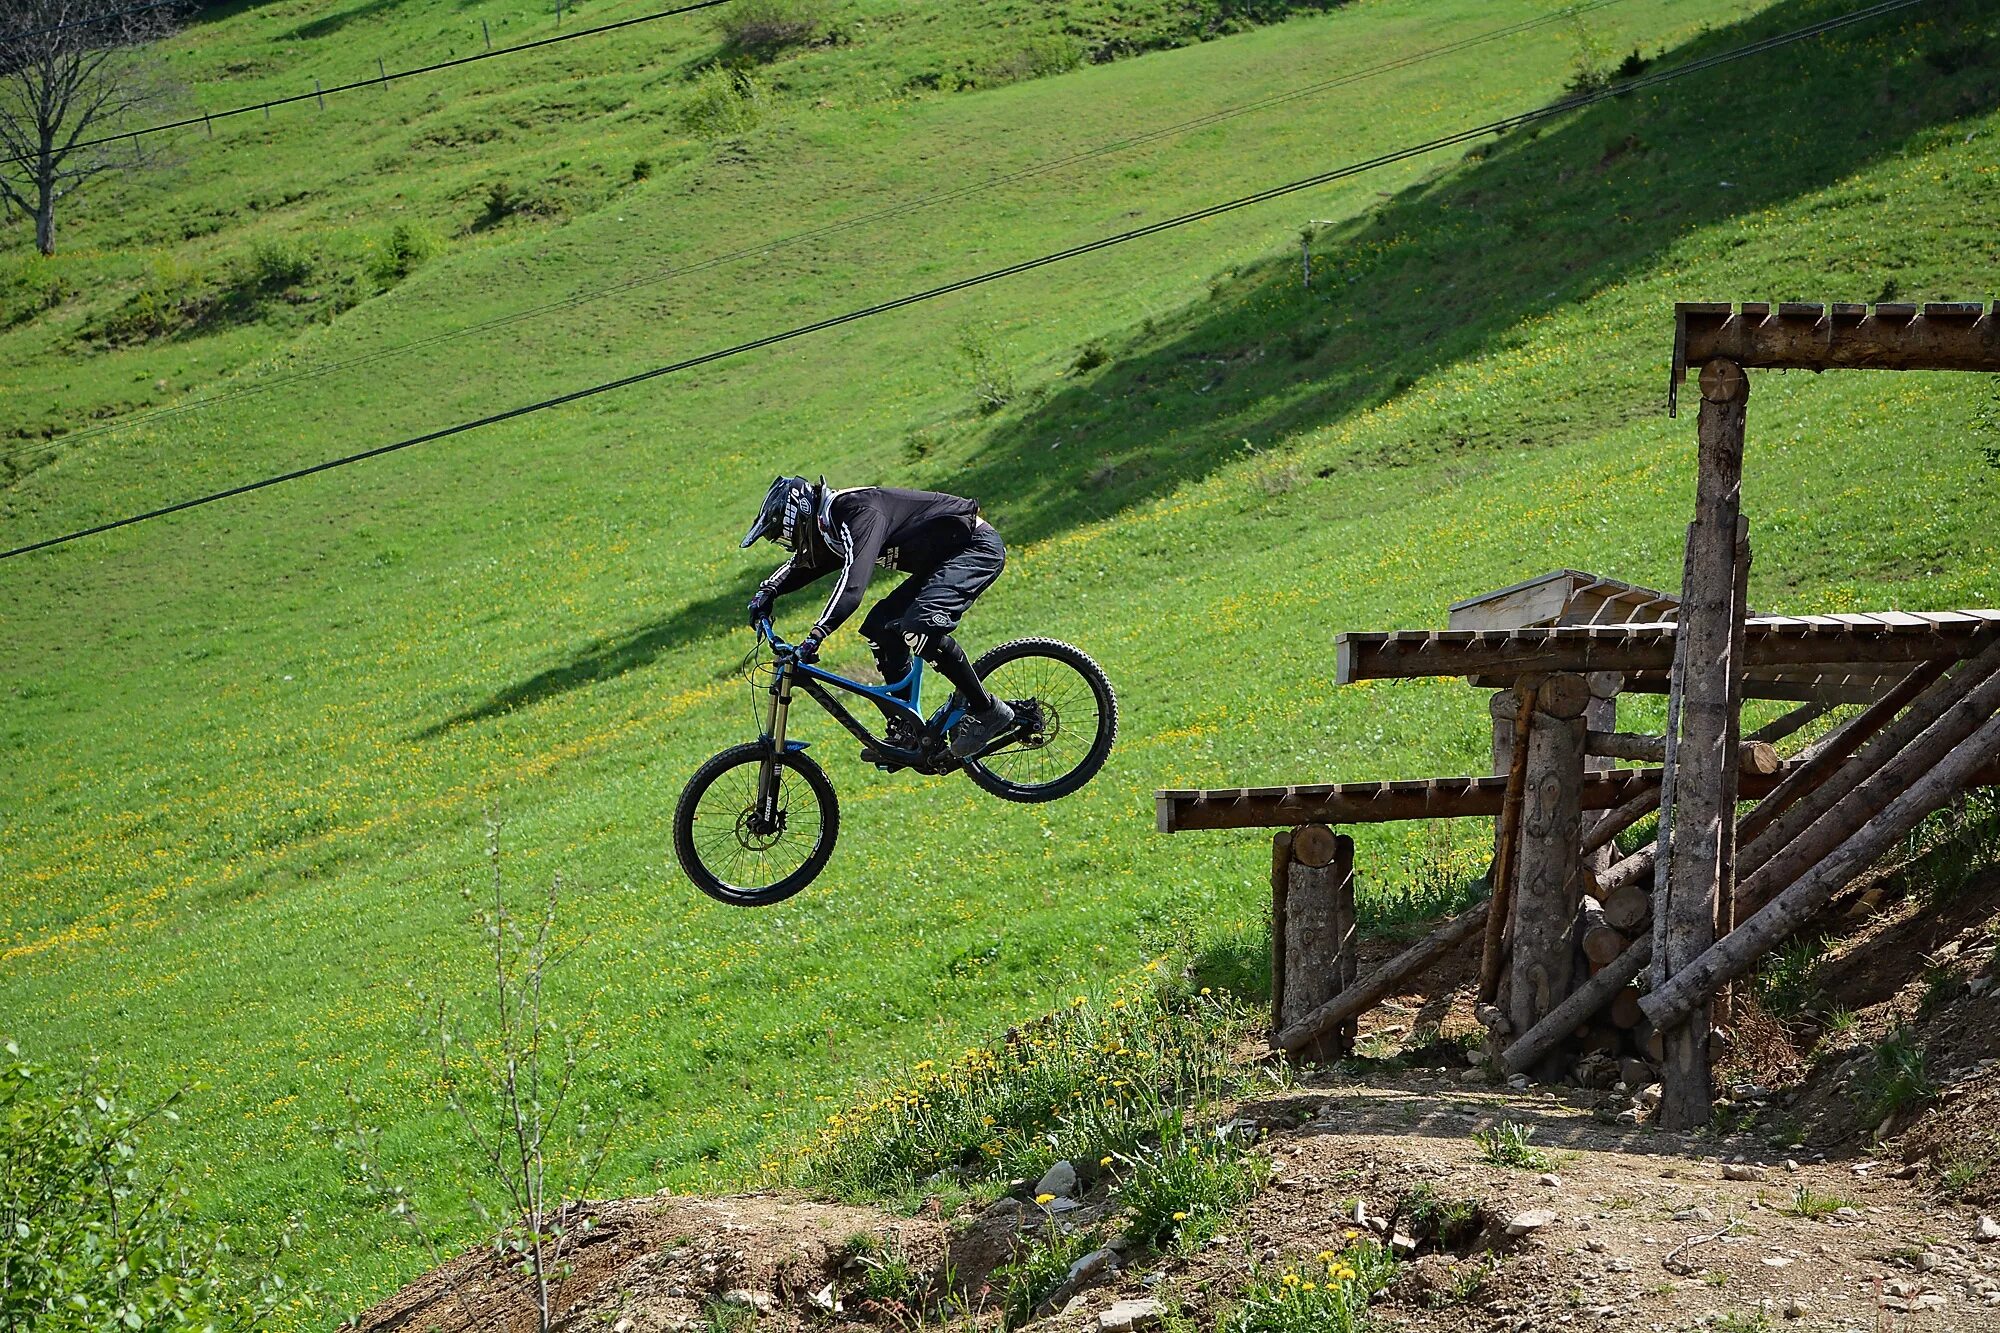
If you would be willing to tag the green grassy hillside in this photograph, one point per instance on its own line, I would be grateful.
(250, 749)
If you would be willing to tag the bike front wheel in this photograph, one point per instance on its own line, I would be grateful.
(742, 851)
(1069, 720)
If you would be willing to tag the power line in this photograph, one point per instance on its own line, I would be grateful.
(916, 204)
(321, 93)
(1557, 108)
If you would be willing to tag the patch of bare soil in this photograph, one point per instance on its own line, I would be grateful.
(1817, 1212)
(652, 1264)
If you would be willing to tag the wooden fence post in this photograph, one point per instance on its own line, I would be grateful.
(1697, 826)
(1547, 879)
(1318, 927)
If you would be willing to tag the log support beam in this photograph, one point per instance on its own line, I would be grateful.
(1695, 868)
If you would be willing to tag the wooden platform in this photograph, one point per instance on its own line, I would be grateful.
(1843, 644)
(1807, 335)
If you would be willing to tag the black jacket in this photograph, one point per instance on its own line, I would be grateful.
(858, 529)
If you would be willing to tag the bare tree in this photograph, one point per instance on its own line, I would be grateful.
(73, 72)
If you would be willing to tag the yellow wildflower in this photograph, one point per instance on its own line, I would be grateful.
(1045, 1199)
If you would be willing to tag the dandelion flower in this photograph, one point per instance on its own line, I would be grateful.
(1180, 1217)
(1104, 1161)
(1045, 1199)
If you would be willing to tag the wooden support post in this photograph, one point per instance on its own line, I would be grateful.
(1783, 915)
(1696, 860)
(1281, 879)
(1507, 835)
(1318, 927)
(1369, 991)
(1547, 881)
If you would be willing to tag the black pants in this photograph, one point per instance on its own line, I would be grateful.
(919, 615)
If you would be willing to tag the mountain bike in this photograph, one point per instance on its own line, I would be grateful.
(757, 822)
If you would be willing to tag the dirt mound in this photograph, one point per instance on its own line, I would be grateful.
(667, 1263)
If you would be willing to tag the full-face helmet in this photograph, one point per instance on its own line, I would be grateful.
(787, 510)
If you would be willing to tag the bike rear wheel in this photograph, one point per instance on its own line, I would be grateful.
(732, 851)
(1070, 716)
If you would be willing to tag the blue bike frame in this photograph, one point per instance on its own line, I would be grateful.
(904, 697)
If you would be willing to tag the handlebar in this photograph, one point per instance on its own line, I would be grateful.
(769, 634)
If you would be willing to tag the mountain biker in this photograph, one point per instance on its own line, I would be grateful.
(949, 555)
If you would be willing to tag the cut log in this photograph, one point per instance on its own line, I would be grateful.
(1625, 1011)
(1602, 944)
(1759, 757)
(1627, 908)
(1368, 991)
(1611, 823)
(1968, 694)
(1815, 766)
(1540, 965)
(1314, 845)
(1538, 1042)
(1782, 916)
(1791, 723)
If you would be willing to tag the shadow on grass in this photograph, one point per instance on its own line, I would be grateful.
(608, 659)
(1445, 271)
(1453, 268)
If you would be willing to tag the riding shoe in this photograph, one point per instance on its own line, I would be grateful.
(980, 730)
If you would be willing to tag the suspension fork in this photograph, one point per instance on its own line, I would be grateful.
(774, 736)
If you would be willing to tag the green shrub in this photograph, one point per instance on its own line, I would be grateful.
(407, 247)
(991, 377)
(1092, 355)
(275, 264)
(1043, 56)
(1036, 1275)
(1506, 1144)
(762, 30)
(1328, 1294)
(1185, 1190)
(90, 1237)
(1897, 1080)
(722, 102)
(1788, 982)
(1090, 1081)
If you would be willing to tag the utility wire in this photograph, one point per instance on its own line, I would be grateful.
(912, 205)
(381, 79)
(1638, 84)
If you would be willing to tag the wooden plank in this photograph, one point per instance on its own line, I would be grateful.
(1795, 642)
(1189, 810)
